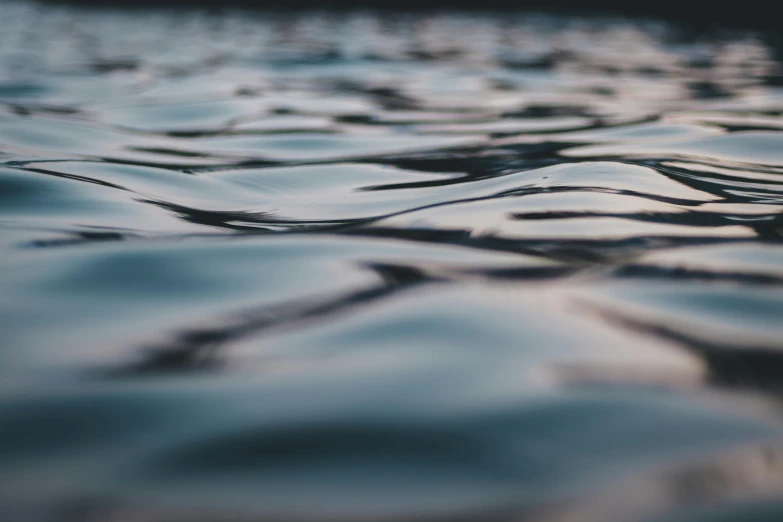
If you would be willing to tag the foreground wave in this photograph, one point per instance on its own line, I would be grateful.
(321, 266)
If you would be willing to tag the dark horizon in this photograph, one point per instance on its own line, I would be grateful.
(701, 14)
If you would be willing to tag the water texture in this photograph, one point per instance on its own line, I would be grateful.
(384, 266)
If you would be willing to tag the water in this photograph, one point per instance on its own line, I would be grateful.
(384, 266)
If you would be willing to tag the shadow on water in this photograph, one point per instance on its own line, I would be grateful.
(199, 349)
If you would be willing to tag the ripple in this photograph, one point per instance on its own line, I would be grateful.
(34, 198)
(760, 148)
(191, 117)
(238, 434)
(387, 265)
(124, 278)
(717, 314)
(319, 147)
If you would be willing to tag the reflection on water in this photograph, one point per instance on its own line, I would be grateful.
(359, 266)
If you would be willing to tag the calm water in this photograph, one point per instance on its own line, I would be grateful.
(325, 266)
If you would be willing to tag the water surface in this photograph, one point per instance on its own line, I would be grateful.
(386, 266)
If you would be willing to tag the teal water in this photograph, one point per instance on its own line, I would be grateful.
(367, 266)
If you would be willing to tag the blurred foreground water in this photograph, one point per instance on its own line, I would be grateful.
(356, 266)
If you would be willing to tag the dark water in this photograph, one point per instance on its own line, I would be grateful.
(351, 266)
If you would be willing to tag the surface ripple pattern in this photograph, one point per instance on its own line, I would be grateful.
(366, 266)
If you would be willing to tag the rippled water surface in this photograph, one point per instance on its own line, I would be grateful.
(387, 266)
